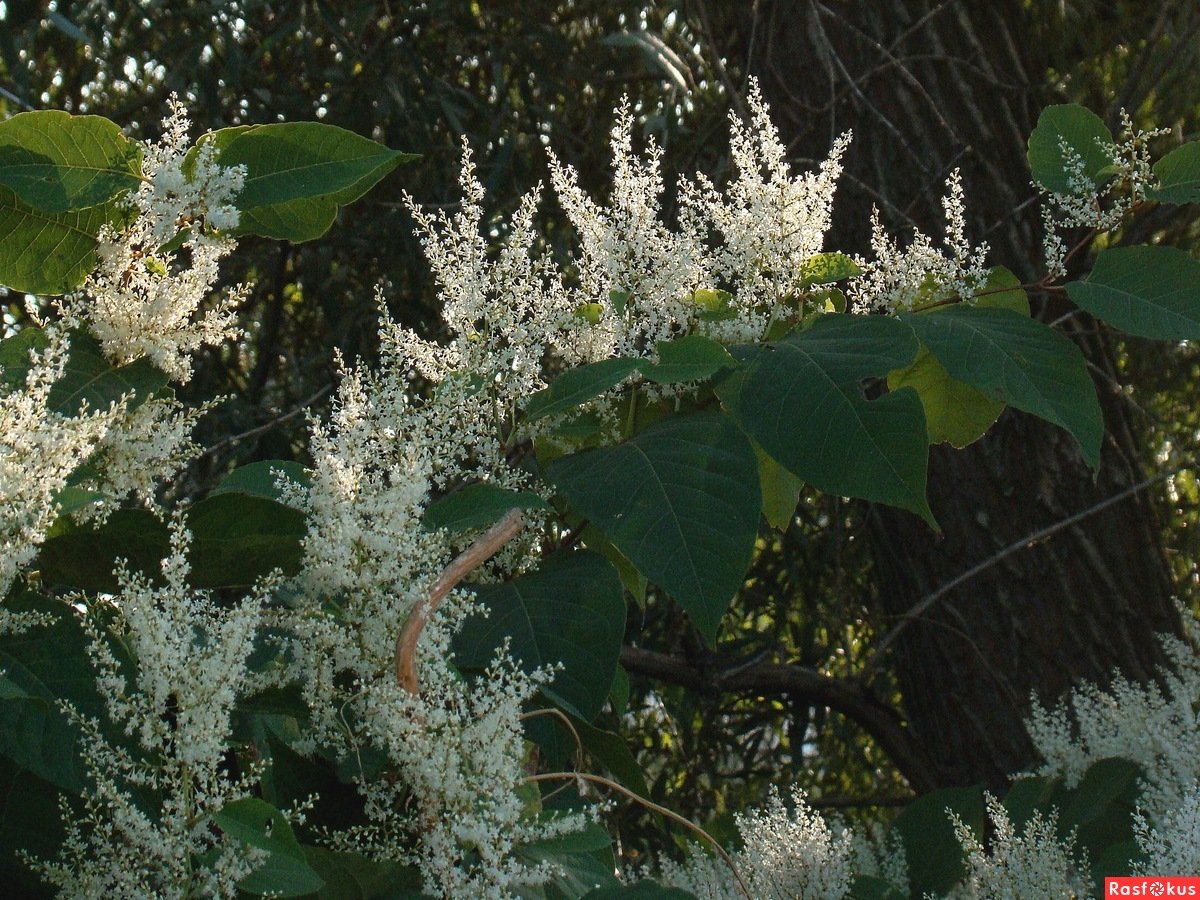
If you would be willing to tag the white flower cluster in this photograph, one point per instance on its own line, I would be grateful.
(786, 855)
(141, 301)
(1156, 727)
(191, 657)
(1015, 866)
(457, 746)
(1092, 204)
(899, 279)
(769, 221)
(144, 300)
(39, 449)
(1173, 847)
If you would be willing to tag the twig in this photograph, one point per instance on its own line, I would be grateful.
(933, 598)
(283, 417)
(651, 805)
(484, 547)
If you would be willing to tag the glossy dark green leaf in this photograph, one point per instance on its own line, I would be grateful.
(56, 162)
(690, 358)
(1078, 128)
(568, 612)
(1178, 174)
(801, 399)
(349, 876)
(935, 862)
(647, 889)
(30, 821)
(39, 669)
(1148, 291)
(259, 479)
(681, 501)
(477, 505)
(89, 378)
(47, 252)
(1020, 361)
(579, 385)
(84, 557)
(299, 173)
(238, 538)
(285, 872)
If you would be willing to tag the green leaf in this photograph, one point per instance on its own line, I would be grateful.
(1178, 175)
(89, 378)
(1148, 291)
(579, 858)
(689, 358)
(258, 478)
(30, 820)
(84, 557)
(47, 252)
(1001, 290)
(14, 356)
(1019, 360)
(39, 669)
(646, 889)
(570, 611)
(1027, 796)
(477, 505)
(299, 173)
(935, 863)
(869, 887)
(955, 413)
(238, 538)
(56, 162)
(780, 491)
(681, 501)
(579, 385)
(285, 872)
(826, 268)
(349, 876)
(1082, 131)
(800, 399)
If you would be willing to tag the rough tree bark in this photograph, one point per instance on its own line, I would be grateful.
(928, 87)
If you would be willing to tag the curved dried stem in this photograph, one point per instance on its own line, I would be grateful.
(651, 805)
(484, 547)
(562, 717)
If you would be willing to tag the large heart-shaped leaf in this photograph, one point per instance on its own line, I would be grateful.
(578, 385)
(1010, 357)
(1080, 130)
(39, 669)
(299, 173)
(802, 400)
(48, 252)
(681, 501)
(1148, 291)
(1178, 175)
(55, 162)
(238, 538)
(285, 872)
(569, 612)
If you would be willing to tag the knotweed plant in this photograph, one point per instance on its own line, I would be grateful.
(357, 617)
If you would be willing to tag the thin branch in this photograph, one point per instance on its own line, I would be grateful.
(853, 700)
(930, 600)
(283, 417)
(484, 548)
(651, 805)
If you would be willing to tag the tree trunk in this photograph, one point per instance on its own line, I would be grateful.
(929, 87)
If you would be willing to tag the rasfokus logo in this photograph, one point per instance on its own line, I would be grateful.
(1152, 886)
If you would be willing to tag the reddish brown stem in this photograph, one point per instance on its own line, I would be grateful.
(484, 547)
